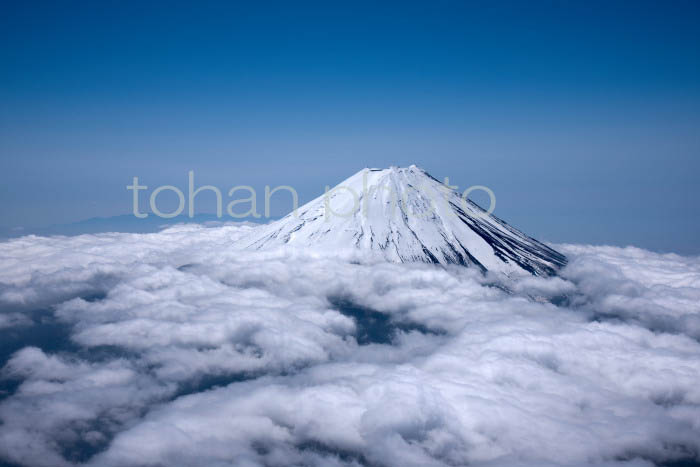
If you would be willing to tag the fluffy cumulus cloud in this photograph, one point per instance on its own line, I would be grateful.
(178, 349)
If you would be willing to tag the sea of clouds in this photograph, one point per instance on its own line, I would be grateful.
(178, 349)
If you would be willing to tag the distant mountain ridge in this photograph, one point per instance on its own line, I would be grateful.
(406, 215)
(121, 223)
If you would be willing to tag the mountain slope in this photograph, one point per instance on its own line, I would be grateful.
(407, 215)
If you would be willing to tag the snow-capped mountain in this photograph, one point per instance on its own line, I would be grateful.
(406, 215)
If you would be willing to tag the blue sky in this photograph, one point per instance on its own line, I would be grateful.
(583, 117)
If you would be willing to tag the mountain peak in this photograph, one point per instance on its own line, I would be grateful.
(406, 215)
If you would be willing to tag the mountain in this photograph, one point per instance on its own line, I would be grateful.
(406, 215)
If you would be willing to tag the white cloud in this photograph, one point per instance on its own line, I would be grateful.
(659, 291)
(11, 320)
(188, 351)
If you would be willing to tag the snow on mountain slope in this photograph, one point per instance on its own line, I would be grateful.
(407, 216)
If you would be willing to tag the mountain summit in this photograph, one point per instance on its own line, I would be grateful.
(407, 215)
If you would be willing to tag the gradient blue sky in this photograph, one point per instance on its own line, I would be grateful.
(583, 117)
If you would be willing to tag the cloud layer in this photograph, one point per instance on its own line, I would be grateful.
(178, 349)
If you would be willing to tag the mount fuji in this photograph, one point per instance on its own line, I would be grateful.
(406, 215)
